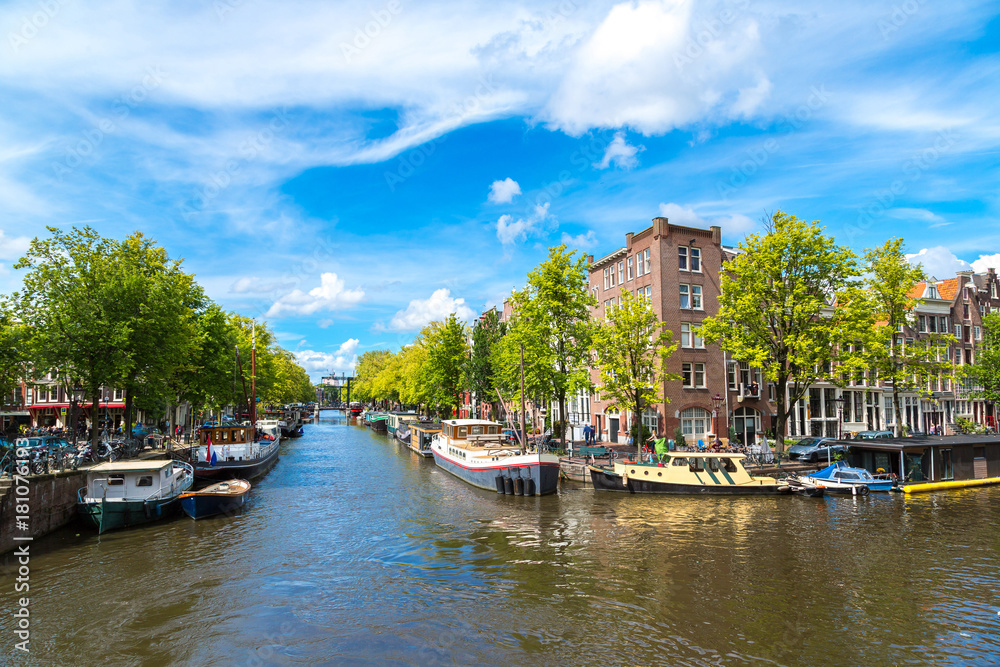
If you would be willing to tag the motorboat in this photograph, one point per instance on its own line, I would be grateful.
(841, 473)
(477, 451)
(699, 473)
(121, 494)
(219, 498)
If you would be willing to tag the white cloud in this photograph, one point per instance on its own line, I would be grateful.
(255, 285)
(939, 262)
(510, 231)
(316, 363)
(330, 295)
(13, 247)
(986, 262)
(733, 225)
(503, 192)
(621, 153)
(588, 240)
(422, 312)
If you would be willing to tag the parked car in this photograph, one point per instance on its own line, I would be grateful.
(875, 435)
(810, 450)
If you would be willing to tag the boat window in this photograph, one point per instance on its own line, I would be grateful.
(476, 430)
(728, 465)
(116, 480)
(492, 429)
(462, 431)
(679, 461)
(849, 475)
(696, 464)
(145, 480)
(713, 464)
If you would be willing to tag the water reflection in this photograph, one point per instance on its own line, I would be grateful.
(354, 549)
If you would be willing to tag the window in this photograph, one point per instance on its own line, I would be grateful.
(693, 375)
(596, 294)
(639, 270)
(685, 334)
(645, 255)
(621, 272)
(947, 471)
(958, 331)
(682, 258)
(932, 324)
(944, 325)
(629, 264)
(696, 297)
(685, 296)
(651, 420)
(145, 480)
(731, 375)
(605, 279)
(979, 333)
(696, 260)
(116, 480)
(968, 334)
(698, 341)
(922, 324)
(694, 422)
(965, 310)
(611, 276)
(649, 292)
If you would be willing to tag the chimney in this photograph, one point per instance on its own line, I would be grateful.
(716, 235)
(628, 241)
(660, 226)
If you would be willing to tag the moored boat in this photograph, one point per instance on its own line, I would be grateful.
(477, 452)
(121, 494)
(703, 473)
(841, 473)
(422, 435)
(218, 498)
(233, 451)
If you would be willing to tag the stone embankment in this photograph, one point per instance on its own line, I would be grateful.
(51, 501)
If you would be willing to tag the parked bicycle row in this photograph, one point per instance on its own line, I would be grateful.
(45, 454)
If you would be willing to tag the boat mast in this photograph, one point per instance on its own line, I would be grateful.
(253, 375)
(524, 434)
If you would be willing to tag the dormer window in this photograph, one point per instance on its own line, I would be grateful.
(931, 292)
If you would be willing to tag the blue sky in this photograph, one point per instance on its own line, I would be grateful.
(352, 171)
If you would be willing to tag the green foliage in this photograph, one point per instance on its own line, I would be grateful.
(447, 351)
(889, 280)
(776, 307)
(486, 335)
(551, 318)
(370, 364)
(12, 364)
(679, 440)
(984, 376)
(632, 348)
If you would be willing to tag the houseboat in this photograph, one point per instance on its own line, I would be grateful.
(231, 450)
(930, 459)
(478, 452)
(128, 493)
(397, 419)
(422, 435)
(685, 473)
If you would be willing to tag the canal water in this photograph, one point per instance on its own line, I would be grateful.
(356, 551)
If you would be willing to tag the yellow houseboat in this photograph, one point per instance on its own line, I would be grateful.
(685, 472)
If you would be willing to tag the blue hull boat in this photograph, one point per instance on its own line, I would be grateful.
(841, 473)
(220, 498)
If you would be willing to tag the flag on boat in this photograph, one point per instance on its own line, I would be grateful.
(208, 452)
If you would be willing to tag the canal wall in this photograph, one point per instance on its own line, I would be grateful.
(51, 503)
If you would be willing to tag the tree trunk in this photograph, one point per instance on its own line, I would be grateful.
(95, 406)
(128, 412)
(779, 423)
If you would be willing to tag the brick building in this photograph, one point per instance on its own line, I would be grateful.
(677, 269)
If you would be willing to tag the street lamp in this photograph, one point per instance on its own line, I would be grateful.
(840, 413)
(717, 402)
(77, 393)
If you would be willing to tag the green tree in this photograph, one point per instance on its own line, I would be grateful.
(447, 350)
(889, 283)
(551, 318)
(12, 361)
(207, 376)
(486, 334)
(776, 309)
(69, 300)
(632, 348)
(156, 303)
(984, 376)
(370, 364)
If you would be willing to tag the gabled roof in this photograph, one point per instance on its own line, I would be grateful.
(947, 289)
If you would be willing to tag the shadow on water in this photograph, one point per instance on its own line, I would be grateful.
(356, 550)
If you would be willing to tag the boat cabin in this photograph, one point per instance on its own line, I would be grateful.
(421, 436)
(693, 469)
(227, 433)
(134, 480)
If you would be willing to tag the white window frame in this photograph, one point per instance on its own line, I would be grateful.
(649, 293)
(682, 258)
(686, 334)
(645, 255)
(704, 380)
(685, 293)
(605, 277)
(621, 272)
(640, 268)
(696, 297)
(694, 259)
(696, 340)
(629, 264)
